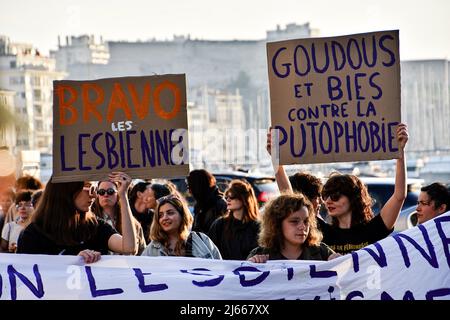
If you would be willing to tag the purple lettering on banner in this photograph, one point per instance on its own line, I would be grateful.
(62, 156)
(380, 258)
(207, 283)
(286, 65)
(354, 294)
(430, 295)
(374, 52)
(327, 58)
(148, 149)
(93, 287)
(302, 142)
(313, 273)
(253, 282)
(162, 147)
(129, 148)
(97, 152)
(308, 65)
(391, 136)
(1, 285)
(334, 45)
(148, 287)
(121, 150)
(37, 291)
(408, 296)
(110, 144)
(387, 50)
(81, 152)
(355, 259)
(290, 273)
(431, 258)
(444, 238)
(374, 85)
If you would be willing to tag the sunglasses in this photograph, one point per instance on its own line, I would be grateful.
(228, 197)
(92, 190)
(109, 191)
(334, 196)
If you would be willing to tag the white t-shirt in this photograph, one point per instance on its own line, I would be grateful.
(11, 232)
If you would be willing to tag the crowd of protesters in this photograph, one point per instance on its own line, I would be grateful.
(117, 216)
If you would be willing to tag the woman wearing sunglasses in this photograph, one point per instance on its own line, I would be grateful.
(348, 202)
(289, 232)
(236, 234)
(107, 207)
(171, 236)
(63, 224)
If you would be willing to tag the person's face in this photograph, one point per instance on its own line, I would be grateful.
(338, 205)
(84, 198)
(426, 208)
(233, 202)
(151, 199)
(5, 202)
(24, 209)
(105, 198)
(169, 218)
(295, 227)
(316, 203)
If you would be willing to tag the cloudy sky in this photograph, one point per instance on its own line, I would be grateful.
(424, 25)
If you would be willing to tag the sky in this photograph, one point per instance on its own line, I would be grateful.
(424, 25)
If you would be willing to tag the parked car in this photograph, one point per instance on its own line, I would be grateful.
(265, 186)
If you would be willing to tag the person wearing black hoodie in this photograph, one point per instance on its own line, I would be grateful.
(209, 201)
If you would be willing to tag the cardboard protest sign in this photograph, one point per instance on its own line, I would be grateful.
(133, 124)
(336, 99)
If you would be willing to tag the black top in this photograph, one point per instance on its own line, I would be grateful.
(320, 252)
(347, 240)
(233, 238)
(34, 241)
(145, 219)
(206, 213)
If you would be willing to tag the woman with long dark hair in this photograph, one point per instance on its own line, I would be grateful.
(209, 202)
(63, 224)
(236, 233)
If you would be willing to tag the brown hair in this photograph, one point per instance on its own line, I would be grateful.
(57, 216)
(243, 191)
(271, 235)
(353, 188)
(158, 234)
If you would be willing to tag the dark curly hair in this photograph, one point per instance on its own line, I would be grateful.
(353, 188)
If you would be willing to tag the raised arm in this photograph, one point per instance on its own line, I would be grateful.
(391, 210)
(284, 185)
(125, 243)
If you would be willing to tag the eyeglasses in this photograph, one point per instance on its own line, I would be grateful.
(24, 205)
(109, 191)
(334, 196)
(92, 190)
(228, 197)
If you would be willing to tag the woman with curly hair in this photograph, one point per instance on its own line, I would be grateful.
(236, 234)
(171, 236)
(289, 232)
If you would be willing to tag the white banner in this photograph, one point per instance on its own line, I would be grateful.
(413, 265)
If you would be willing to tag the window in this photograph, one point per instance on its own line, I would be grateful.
(12, 64)
(38, 109)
